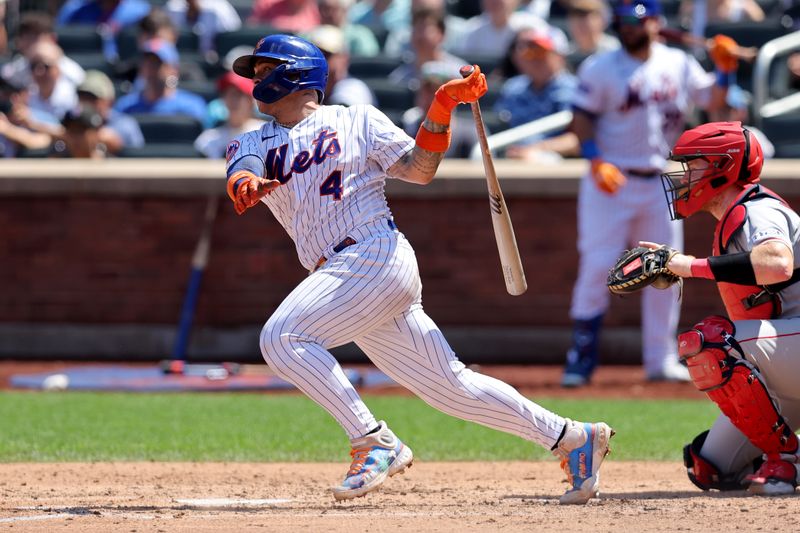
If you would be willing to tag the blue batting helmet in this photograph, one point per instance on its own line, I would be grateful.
(302, 66)
(637, 8)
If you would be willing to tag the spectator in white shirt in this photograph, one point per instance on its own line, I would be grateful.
(51, 92)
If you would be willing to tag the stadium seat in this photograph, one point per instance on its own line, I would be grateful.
(168, 129)
(748, 33)
(243, 8)
(487, 63)
(168, 150)
(78, 38)
(391, 96)
(365, 68)
(206, 89)
(784, 132)
(188, 41)
(247, 35)
(464, 8)
(93, 61)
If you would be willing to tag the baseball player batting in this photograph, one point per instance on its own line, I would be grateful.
(747, 364)
(630, 107)
(321, 171)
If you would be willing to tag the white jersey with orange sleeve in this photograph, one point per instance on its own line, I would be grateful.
(640, 106)
(332, 166)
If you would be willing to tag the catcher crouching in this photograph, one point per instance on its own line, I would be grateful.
(746, 363)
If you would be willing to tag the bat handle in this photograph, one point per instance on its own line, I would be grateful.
(466, 70)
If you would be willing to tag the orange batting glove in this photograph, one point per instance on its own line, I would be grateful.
(466, 90)
(724, 53)
(455, 92)
(606, 176)
(246, 189)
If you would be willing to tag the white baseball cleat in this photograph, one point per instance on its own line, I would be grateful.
(582, 449)
(376, 457)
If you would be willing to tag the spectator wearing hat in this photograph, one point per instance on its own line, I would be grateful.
(21, 128)
(341, 89)
(360, 39)
(293, 16)
(159, 93)
(543, 87)
(35, 26)
(119, 130)
(157, 25)
(51, 91)
(81, 138)
(427, 44)
(236, 93)
(463, 135)
(587, 21)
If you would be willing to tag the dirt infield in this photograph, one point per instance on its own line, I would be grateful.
(170, 497)
(441, 497)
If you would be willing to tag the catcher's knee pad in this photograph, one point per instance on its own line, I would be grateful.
(705, 474)
(734, 384)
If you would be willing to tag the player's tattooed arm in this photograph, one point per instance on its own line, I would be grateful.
(419, 165)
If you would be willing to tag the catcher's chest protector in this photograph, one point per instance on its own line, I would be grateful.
(744, 302)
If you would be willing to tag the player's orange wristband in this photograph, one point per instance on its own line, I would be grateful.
(233, 181)
(433, 142)
(441, 108)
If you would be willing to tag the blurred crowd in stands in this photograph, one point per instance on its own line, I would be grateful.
(137, 78)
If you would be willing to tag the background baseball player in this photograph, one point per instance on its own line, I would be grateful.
(321, 170)
(629, 109)
(748, 367)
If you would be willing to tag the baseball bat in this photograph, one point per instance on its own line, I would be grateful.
(199, 261)
(510, 261)
(744, 53)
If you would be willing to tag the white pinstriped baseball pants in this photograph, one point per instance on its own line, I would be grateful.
(608, 224)
(370, 293)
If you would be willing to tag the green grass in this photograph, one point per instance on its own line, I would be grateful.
(77, 426)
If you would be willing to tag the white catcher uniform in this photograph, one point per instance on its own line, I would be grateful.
(640, 109)
(363, 285)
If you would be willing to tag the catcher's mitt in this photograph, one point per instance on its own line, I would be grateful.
(640, 267)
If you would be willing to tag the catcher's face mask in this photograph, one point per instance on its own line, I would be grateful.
(713, 157)
(701, 177)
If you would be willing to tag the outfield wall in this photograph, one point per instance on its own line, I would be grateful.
(95, 260)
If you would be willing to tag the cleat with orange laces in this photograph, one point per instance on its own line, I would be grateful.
(582, 449)
(376, 457)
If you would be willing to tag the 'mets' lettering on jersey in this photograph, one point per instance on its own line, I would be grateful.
(325, 145)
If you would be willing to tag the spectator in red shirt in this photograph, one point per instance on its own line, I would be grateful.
(286, 15)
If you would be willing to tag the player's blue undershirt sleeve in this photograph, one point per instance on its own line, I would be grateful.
(249, 162)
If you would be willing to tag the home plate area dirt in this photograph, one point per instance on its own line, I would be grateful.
(507, 496)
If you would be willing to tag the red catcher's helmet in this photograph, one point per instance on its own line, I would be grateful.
(733, 154)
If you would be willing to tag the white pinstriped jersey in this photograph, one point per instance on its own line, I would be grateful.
(641, 106)
(333, 168)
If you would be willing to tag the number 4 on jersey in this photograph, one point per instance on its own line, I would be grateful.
(332, 185)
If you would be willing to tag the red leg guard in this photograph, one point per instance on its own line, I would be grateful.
(734, 384)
